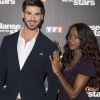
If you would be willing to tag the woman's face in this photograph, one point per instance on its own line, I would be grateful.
(73, 39)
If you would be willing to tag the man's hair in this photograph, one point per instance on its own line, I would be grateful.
(37, 3)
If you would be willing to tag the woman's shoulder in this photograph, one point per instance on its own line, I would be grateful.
(86, 60)
(87, 67)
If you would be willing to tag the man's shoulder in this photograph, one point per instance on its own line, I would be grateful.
(46, 39)
(47, 43)
(11, 36)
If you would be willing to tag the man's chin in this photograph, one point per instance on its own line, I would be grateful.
(32, 28)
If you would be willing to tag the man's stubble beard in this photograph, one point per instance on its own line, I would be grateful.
(32, 28)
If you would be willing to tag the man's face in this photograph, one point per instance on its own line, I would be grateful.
(32, 17)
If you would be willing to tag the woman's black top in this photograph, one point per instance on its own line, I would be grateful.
(85, 67)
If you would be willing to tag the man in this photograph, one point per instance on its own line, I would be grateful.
(24, 59)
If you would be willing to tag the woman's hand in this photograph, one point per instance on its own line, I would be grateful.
(56, 63)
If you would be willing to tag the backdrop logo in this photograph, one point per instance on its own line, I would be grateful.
(10, 28)
(96, 29)
(81, 2)
(7, 2)
(92, 91)
(93, 94)
(44, 0)
(54, 29)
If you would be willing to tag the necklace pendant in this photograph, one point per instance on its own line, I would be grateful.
(67, 68)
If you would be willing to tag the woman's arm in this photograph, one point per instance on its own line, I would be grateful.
(79, 85)
(80, 82)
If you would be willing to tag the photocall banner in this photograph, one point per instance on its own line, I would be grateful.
(60, 15)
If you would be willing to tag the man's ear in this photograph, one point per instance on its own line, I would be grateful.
(42, 17)
(22, 14)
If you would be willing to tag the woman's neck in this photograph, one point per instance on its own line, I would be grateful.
(77, 54)
(77, 57)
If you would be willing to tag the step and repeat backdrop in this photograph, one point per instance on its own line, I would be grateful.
(60, 15)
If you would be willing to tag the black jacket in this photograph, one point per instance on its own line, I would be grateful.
(30, 80)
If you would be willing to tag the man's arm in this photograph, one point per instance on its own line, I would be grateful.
(51, 78)
(52, 83)
(3, 65)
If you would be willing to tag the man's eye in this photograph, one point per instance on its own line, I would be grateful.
(28, 13)
(37, 14)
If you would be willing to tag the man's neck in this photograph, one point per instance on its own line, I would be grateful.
(29, 34)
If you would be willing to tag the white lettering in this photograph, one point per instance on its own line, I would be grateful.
(81, 2)
(96, 29)
(7, 2)
(93, 94)
(53, 29)
(11, 28)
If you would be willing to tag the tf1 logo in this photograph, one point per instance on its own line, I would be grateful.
(54, 29)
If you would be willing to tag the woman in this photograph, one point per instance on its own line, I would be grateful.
(80, 64)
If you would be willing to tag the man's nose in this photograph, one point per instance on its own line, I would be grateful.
(32, 16)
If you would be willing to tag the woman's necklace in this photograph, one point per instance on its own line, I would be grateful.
(69, 67)
(72, 64)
